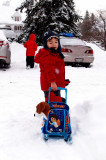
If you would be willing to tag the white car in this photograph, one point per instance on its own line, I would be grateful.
(76, 51)
(5, 51)
(9, 33)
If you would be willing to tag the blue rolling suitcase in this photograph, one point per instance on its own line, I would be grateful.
(58, 123)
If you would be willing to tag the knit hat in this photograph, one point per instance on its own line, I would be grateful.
(48, 35)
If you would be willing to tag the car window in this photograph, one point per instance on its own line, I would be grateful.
(71, 41)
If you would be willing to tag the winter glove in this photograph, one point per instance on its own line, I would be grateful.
(67, 81)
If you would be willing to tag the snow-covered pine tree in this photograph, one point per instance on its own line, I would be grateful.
(58, 15)
(86, 27)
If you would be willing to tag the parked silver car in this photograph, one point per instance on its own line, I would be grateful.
(10, 35)
(76, 51)
(5, 52)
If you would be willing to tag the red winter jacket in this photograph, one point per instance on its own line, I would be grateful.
(52, 68)
(31, 45)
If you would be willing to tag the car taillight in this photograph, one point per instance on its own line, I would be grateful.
(1, 43)
(66, 50)
(89, 51)
(5, 43)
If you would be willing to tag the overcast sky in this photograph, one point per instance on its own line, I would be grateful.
(90, 5)
(82, 5)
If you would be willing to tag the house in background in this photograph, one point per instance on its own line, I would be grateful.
(11, 21)
(18, 25)
(6, 3)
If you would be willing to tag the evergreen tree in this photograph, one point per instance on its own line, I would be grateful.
(58, 15)
(89, 28)
(93, 20)
(86, 27)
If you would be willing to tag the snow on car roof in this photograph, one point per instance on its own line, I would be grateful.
(71, 41)
(2, 36)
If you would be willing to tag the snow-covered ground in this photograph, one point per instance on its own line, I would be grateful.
(20, 131)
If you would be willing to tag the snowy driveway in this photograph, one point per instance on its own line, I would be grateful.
(20, 132)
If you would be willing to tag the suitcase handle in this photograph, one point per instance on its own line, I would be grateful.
(59, 88)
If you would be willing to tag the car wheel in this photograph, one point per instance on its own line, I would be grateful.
(86, 65)
(6, 65)
(67, 63)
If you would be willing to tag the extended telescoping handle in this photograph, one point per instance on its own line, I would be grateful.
(58, 88)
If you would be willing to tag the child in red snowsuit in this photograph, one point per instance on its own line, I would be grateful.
(52, 66)
(30, 52)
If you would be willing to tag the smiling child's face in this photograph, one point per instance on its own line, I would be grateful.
(53, 43)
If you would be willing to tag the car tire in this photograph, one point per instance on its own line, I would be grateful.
(87, 65)
(6, 65)
(67, 63)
